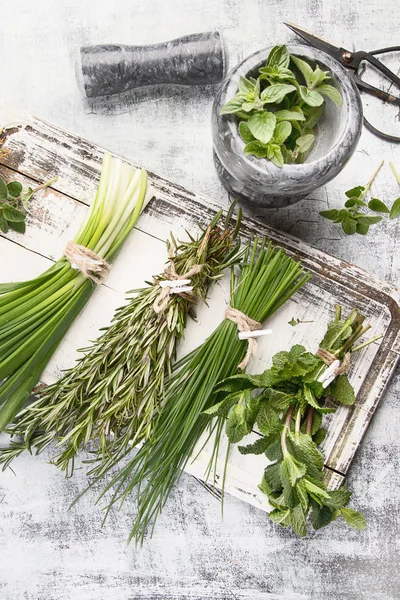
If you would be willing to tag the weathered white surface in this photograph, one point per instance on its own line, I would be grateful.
(48, 554)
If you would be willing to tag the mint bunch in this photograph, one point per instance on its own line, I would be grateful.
(279, 110)
(287, 403)
(353, 217)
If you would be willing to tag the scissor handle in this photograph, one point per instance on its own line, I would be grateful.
(357, 57)
(374, 91)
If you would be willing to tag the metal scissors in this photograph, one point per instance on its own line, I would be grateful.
(355, 62)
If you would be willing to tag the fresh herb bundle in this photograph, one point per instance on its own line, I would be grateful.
(277, 113)
(14, 204)
(263, 284)
(113, 394)
(287, 403)
(35, 314)
(354, 220)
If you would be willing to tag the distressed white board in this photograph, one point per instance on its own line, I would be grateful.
(37, 151)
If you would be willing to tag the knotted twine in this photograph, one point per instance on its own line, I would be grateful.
(244, 323)
(328, 358)
(87, 262)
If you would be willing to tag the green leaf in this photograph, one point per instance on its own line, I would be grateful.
(331, 92)
(275, 155)
(3, 223)
(276, 92)
(355, 191)
(290, 115)
(274, 450)
(310, 455)
(272, 478)
(305, 142)
(312, 98)
(395, 210)
(262, 125)
(342, 390)
(315, 489)
(278, 399)
(3, 190)
(26, 196)
(349, 225)
(302, 495)
(245, 132)
(292, 470)
(281, 517)
(355, 200)
(257, 447)
(319, 435)
(245, 85)
(304, 69)
(321, 516)
(318, 77)
(329, 214)
(313, 115)
(310, 398)
(282, 131)
(14, 189)
(11, 213)
(268, 420)
(354, 518)
(378, 206)
(362, 229)
(256, 148)
(279, 57)
(338, 498)
(232, 106)
(368, 220)
(298, 521)
(18, 226)
(236, 425)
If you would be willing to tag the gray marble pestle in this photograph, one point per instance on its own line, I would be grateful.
(191, 60)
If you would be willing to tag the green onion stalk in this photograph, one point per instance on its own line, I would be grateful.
(110, 399)
(267, 278)
(35, 314)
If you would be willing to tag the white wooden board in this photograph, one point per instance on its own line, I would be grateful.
(37, 151)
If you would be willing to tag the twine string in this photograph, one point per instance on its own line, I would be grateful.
(244, 323)
(87, 262)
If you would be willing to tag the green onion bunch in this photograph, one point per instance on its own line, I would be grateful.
(266, 279)
(35, 314)
(110, 399)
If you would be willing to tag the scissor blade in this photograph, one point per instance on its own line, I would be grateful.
(315, 41)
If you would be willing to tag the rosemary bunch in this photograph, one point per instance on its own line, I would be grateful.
(111, 397)
(266, 279)
(287, 403)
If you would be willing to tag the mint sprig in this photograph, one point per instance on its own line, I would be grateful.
(354, 217)
(279, 110)
(14, 203)
(287, 403)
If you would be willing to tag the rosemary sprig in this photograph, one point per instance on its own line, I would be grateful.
(267, 278)
(110, 399)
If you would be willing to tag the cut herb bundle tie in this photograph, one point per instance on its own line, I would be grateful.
(244, 325)
(90, 264)
(335, 367)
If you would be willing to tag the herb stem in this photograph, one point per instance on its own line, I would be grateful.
(286, 427)
(367, 343)
(395, 173)
(310, 415)
(44, 185)
(370, 182)
(298, 422)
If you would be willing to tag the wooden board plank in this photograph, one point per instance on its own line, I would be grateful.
(37, 151)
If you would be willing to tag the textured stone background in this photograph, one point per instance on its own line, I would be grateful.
(47, 553)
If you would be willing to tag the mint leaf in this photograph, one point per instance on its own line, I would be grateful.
(321, 516)
(18, 226)
(315, 490)
(275, 93)
(356, 191)
(282, 131)
(14, 189)
(368, 220)
(290, 115)
(292, 470)
(342, 390)
(281, 517)
(232, 106)
(330, 92)
(378, 206)
(312, 98)
(236, 426)
(298, 521)
(305, 142)
(279, 57)
(319, 435)
(262, 125)
(272, 478)
(268, 420)
(257, 447)
(338, 498)
(245, 132)
(275, 155)
(329, 214)
(13, 214)
(362, 229)
(245, 86)
(256, 148)
(304, 69)
(354, 518)
(349, 225)
(395, 210)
